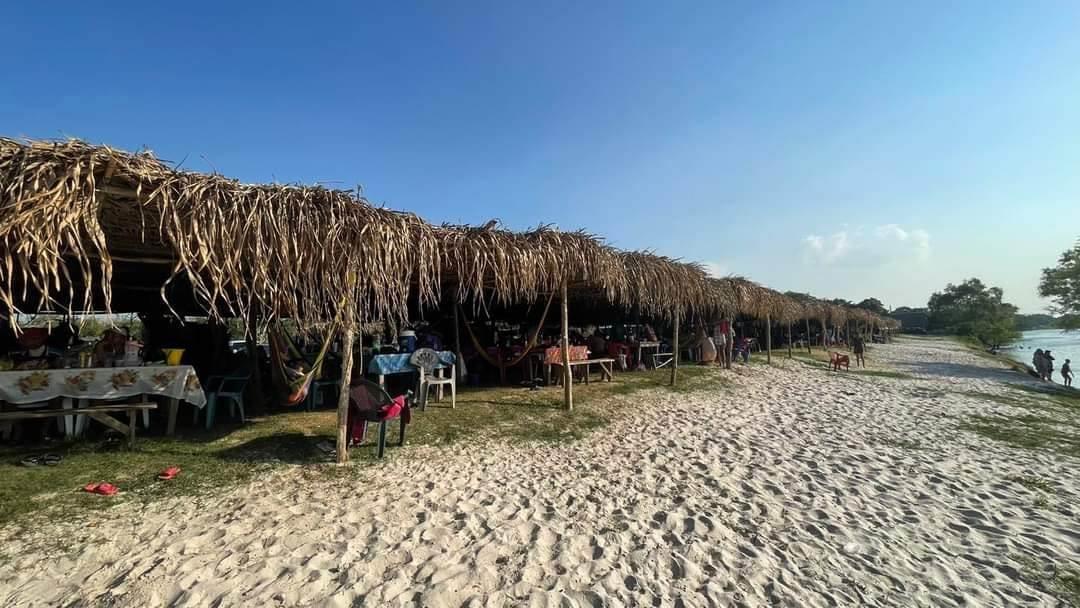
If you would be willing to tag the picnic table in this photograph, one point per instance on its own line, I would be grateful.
(76, 387)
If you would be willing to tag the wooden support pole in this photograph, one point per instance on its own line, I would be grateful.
(457, 333)
(568, 377)
(348, 335)
(258, 404)
(824, 335)
(789, 355)
(675, 352)
(768, 338)
(809, 342)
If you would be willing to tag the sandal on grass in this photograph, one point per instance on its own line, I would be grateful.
(104, 489)
(169, 473)
(52, 459)
(31, 461)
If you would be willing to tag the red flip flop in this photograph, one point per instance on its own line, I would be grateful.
(169, 473)
(104, 489)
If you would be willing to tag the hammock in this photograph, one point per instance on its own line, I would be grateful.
(499, 363)
(294, 383)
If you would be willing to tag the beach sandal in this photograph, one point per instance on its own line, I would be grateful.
(31, 461)
(169, 473)
(52, 459)
(104, 489)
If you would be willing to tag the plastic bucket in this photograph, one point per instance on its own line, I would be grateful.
(173, 356)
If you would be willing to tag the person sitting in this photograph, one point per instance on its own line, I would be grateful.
(597, 345)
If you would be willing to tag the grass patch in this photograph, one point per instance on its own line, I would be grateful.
(999, 398)
(233, 454)
(1061, 582)
(1032, 483)
(1027, 431)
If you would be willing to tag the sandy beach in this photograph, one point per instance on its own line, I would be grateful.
(786, 485)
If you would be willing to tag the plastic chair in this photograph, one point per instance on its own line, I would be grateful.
(229, 388)
(427, 361)
(368, 402)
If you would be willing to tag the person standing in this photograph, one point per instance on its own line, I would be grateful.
(1066, 372)
(1039, 364)
(1049, 359)
(858, 347)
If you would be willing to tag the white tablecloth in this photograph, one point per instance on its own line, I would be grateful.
(29, 386)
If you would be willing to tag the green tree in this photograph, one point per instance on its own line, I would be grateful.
(874, 305)
(973, 309)
(1062, 285)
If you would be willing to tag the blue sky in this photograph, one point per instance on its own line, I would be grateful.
(846, 149)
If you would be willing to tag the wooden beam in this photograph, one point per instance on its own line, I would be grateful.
(675, 352)
(789, 355)
(568, 377)
(824, 336)
(809, 342)
(348, 336)
(768, 338)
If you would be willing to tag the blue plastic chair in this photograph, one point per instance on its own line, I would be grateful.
(229, 388)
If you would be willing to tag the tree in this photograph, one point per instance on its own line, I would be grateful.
(874, 305)
(973, 309)
(1062, 285)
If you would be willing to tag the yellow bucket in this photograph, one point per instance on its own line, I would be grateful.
(173, 355)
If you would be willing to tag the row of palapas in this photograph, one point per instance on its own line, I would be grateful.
(311, 253)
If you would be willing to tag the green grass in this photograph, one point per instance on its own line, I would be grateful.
(1061, 582)
(1028, 431)
(1033, 483)
(232, 454)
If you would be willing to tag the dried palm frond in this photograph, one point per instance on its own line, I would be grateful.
(281, 250)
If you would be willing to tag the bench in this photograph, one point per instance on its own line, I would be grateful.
(97, 412)
(607, 367)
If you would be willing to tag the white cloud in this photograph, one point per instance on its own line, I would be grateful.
(868, 247)
(716, 269)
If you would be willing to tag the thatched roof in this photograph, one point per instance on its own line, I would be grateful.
(662, 286)
(71, 211)
(517, 266)
(281, 249)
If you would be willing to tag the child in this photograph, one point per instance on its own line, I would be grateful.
(1066, 372)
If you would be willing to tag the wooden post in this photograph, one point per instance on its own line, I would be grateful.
(824, 336)
(809, 342)
(730, 343)
(252, 344)
(568, 378)
(768, 338)
(675, 352)
(789, 355)
(457, 331)
(348, 335)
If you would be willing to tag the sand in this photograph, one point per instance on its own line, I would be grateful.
(792, 487)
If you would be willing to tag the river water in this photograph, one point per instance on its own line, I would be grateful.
(1063, 345)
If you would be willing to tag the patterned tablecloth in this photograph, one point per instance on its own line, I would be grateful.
(399, 364)
(553, 355)
(176, 381)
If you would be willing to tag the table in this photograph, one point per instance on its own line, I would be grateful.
(386, 365)
(643, 345)
(176, 382)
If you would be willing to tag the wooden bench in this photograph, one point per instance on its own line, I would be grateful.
(607, 367)
(97, 412)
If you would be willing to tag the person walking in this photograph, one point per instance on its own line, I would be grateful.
(1066, 372)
